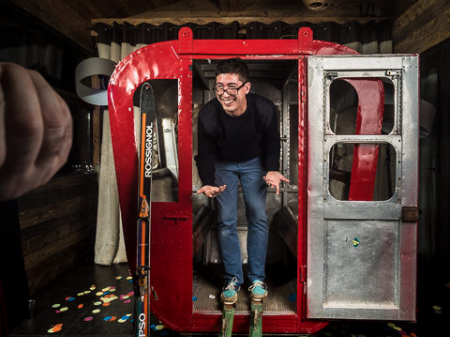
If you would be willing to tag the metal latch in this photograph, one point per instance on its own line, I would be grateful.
(394, 73)
(332, 75)
(410, 214)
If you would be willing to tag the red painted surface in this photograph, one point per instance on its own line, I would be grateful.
(171, 246)
(369, 121)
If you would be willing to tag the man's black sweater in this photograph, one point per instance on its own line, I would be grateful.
(222, 137)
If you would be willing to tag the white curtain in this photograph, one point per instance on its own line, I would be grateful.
(109, 240)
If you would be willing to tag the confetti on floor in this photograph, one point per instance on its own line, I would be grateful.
(55, 328)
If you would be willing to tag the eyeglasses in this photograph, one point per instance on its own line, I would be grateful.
(232, 90)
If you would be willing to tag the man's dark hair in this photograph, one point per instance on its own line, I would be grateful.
(233, 66)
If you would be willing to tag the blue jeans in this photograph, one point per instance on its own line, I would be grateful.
(250, 174)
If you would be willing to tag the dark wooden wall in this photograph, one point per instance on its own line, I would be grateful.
(57, 224)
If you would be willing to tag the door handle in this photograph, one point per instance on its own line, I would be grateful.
(410, 214)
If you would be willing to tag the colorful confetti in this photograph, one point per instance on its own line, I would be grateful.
(95, 311)
(54, 306)
(89, 318)
(55, 328)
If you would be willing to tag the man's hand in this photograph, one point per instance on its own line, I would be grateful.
(35, 131)
(211, 191)
(273, 179)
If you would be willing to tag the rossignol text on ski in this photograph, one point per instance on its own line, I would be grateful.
(143, 286)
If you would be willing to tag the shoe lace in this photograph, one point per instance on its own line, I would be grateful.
(257, 284)
(232, 285)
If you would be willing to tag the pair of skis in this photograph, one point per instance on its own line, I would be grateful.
(142, 276)
(255, 319)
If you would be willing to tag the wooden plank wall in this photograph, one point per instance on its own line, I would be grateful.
(424, 24)
(58, 226)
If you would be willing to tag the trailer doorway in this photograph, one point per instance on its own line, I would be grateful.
(278, 81)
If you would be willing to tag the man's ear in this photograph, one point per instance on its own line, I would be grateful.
(248, 86)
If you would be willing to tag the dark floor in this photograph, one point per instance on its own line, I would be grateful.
(77, 304)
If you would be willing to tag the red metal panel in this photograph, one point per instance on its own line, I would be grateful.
(368, 122)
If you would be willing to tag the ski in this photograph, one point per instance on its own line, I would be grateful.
(227, 320)
(256, 319)
(142, 277)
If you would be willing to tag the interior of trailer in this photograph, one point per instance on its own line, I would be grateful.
(278, 81)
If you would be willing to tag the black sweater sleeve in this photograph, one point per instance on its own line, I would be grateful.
(268, 115)
(207, 152)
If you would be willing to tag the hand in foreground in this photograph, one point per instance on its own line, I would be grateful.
(35, 131)
(211, 191)
(273, 179)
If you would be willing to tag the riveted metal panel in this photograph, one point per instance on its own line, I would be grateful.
(361, 256)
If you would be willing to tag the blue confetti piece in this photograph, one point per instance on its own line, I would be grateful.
(70, 299)
(194, 299)
(107, 318)
(356, 242)
(292, 297)
(153, 327)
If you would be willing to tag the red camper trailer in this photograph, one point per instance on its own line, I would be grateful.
(343, 232)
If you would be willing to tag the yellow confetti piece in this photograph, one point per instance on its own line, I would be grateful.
(129, 278)
(87, 292)
(100, 293)
(391, 325)
(95, 311)
(64, 309)
(106, 289)
(98, 303)
(80, 294)
(159, 327)
(54, 306)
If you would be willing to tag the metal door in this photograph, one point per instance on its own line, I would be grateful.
(361, 251)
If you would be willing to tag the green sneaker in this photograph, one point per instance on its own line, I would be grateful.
(230, 292)
(258, 291)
